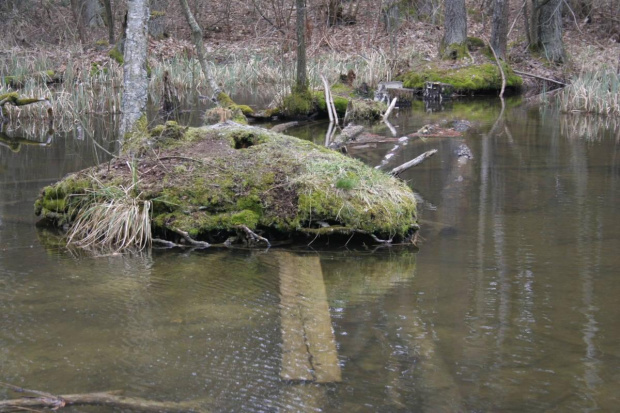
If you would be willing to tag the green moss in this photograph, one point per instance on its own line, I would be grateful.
(453, 51)
(469, 79)
(298, 104)
(474, 43)
(272, 182)
(116, 55)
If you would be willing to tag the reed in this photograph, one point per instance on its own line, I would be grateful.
(593, 92)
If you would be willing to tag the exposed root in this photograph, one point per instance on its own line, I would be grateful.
(253, 237)
(189, 239)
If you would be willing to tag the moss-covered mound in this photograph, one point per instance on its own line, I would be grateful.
(474, 79)
(209, 182)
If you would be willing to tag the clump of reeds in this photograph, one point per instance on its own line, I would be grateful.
(111, 218)
(593, 92)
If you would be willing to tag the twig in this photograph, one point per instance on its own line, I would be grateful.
(515, 20)
(499, 66)
(189, 239)
(415, 161)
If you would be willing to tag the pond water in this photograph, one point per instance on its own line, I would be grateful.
(509, 305)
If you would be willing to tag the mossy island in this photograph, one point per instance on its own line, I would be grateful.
(210, 184)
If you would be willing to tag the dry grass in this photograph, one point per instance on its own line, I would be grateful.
(111, 219)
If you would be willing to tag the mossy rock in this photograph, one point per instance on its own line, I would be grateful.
(211, 180)
(474, 79)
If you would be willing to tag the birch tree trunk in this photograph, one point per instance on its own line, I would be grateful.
(135, 80)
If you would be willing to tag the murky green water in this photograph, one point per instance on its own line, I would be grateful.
(510, 304)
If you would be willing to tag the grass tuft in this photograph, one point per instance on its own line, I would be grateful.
(593, 92)
(110, 218)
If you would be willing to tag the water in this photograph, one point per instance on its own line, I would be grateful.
(509, 305)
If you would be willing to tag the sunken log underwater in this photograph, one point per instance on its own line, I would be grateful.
(221, 183)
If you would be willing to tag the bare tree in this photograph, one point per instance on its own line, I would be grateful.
(157, 23)
(135, 80)
(454, 42)
(499, 31)
(301, 80)
(200, 50)
(109, 19)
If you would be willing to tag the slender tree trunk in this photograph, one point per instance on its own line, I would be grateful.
(546, 29)
(301, 82)
(76, 10)
(200, 49)
(454, 42)
(109, 19)
(135, 80)
(499, 25)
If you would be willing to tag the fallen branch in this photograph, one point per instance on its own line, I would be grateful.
(284, 126)
(389, 110)
(327, 104)
(415, 161)
(540, 77)
(110, 398)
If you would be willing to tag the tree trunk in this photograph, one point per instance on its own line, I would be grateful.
(545, 29)
(92, 13)
(76, 10)
(200, 49)
(454, 42)
(157, 24)
(135, 80)
(109, 19)
(301, 82)
(499, 30)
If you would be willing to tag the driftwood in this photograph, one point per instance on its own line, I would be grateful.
(349, 133)
(415, 161)
(110, 398)
(389, 110)
(308, 343)
(284, 126)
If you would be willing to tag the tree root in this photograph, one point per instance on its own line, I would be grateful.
(189, 239)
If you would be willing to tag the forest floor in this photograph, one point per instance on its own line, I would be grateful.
(590, 46)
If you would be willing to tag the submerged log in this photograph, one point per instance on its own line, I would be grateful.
(308, 344)
(349, 133)
(110, 399)
(415, 161)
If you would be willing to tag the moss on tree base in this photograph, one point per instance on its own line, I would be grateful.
(209, 181)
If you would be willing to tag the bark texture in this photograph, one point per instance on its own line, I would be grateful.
(135, 80)
(157, 23)
(109, 19)
(545, 29)
(499, 31)
(301, 81)
(454, 42)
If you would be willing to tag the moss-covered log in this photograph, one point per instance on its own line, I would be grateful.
(45, 76)
(473, 79)
(209, 181)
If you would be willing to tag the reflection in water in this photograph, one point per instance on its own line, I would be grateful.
(510, 303)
